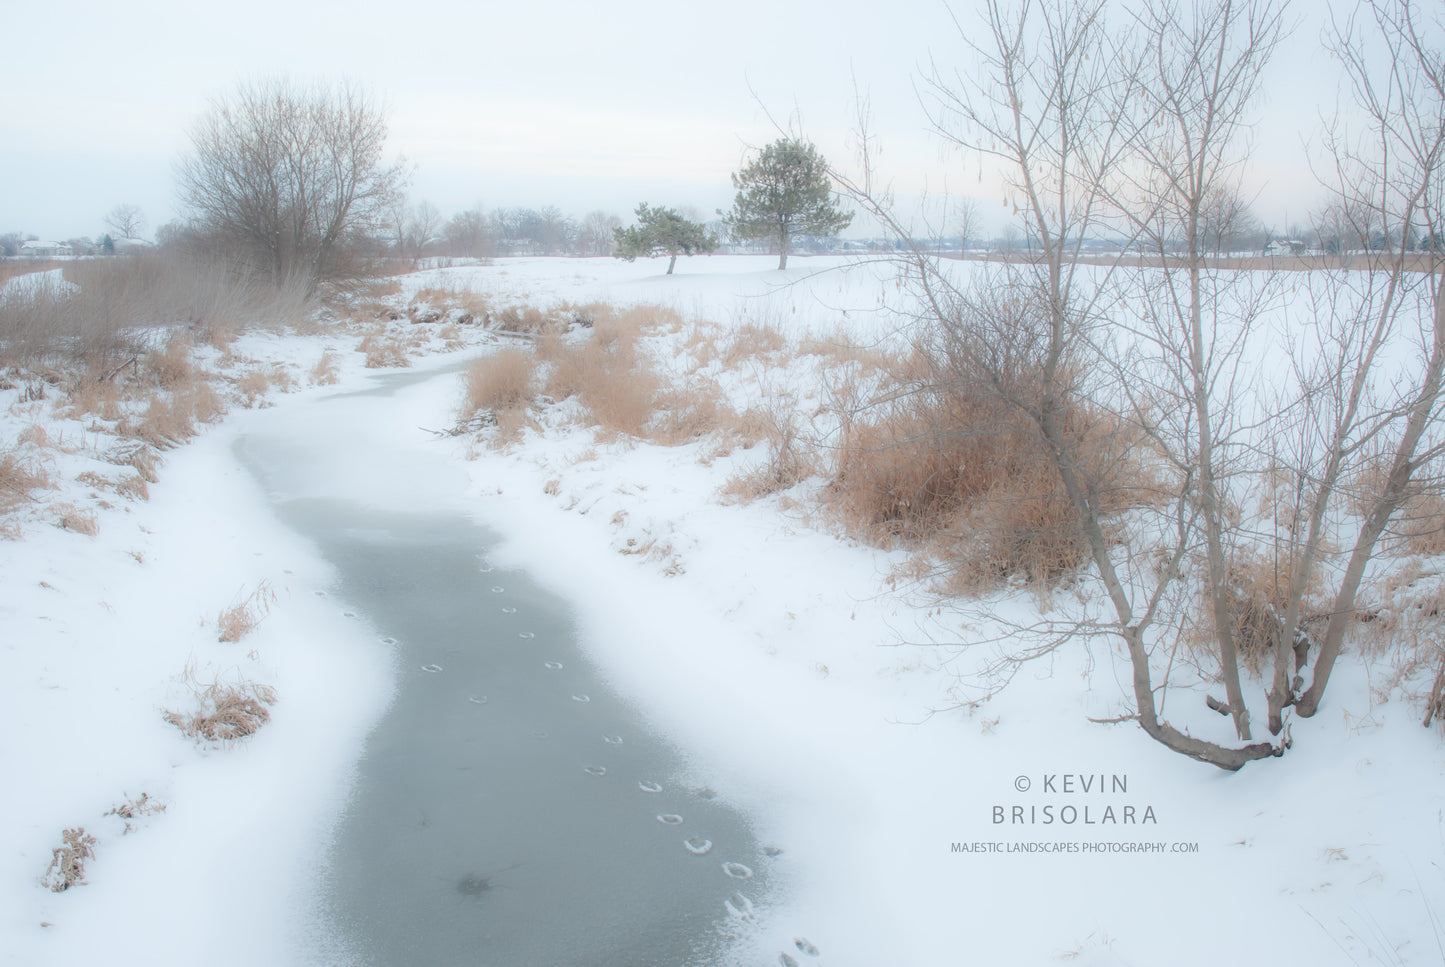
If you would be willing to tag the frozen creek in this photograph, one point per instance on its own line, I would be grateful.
(509, 807)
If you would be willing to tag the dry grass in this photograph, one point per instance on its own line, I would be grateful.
(101, 311)
(171, 419)
(67, 863)
(72, 518)
(462, 306)
(21, 473)
(224, 712)
(171, 366)
(137, 455)
(504, 380)
(790, 459)
(685, 414)
(383, 350)
(324, 373)
(132, 810)
(752, 340)
(241, 618)
(253, 387)
(962, 473)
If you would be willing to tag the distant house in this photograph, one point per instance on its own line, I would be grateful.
(1284, 246)
(44, 250)
(125, 246)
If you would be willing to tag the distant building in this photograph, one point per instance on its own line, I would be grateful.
(45, 250)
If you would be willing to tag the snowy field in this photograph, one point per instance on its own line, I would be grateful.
(808, 685)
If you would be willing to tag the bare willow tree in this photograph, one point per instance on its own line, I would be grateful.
(1391, 178)
(285, 176)
(1200, 73)
(1059, 101)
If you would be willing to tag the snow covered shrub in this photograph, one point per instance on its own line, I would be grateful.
(67, 862)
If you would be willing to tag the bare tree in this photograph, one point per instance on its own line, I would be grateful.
(125, 221)
(595, 237)
(422, 226)
(469, 234)
(1202, 69)
(287, 176)
(1059, 101)
(1392, 177)
(968, 218)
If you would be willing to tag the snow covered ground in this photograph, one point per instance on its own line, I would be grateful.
(810, 688)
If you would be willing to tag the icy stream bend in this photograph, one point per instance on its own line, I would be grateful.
(508, 807)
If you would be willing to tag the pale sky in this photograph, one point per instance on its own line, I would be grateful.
(579, 105)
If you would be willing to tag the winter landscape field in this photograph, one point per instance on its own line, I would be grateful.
(822, 685)
(639, 485)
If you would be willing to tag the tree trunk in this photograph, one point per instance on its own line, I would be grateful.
(1397, 485)
(671, 263)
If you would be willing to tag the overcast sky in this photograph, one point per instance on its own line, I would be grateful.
(581, 105)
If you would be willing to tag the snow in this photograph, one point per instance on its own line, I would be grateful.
(807, 687)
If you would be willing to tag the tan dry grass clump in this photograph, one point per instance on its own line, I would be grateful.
(324, 373)
(612, 380)
(383, 350)
(72, 518)
(790, 459)
(753, 340)
(241, 618)
(67, 862)
(501, 381)
(964, 474)
(21, 473)
(132, 810)
(171, 419)
(171, 366)
(224, 712)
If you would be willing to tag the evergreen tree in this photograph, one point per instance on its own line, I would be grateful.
(785, 194)
(662, 231)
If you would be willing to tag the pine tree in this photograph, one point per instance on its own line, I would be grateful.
(785, 194)
(662, 231)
